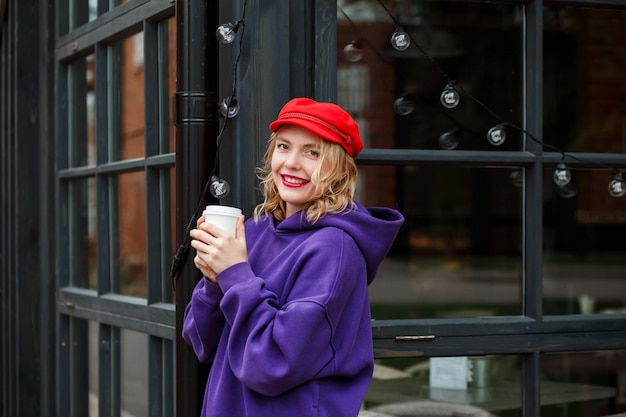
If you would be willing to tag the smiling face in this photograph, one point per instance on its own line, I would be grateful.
(294, 160)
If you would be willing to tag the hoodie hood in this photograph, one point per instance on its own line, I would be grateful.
(374, 230)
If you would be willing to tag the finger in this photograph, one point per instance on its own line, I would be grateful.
(241, 230)
(202, 235)
(205, 269)
(201, 245)
(200, 221)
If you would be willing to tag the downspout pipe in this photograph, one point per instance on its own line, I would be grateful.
(197, 126)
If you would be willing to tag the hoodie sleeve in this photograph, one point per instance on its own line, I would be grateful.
(203, 320)
(274, 348)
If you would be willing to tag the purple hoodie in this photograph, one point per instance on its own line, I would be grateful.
(288, 333)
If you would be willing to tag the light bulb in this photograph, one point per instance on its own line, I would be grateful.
(517, 177)
(229, 107)
(566, 191)
(449, 140)
(617, 188)
(561, 175)
(353, 51)
(496, 135)
(227, 32)
(400, 40)
(450, 97)
(219, 188)
(403, 106)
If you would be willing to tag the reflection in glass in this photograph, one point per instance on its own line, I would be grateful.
(134, 373)
(79, 12)
(584, 263)
(482, 386)
(469, 50)
(93, 362)
(77, 348)
(353, 51)
(591, 383)
(131, 93)
(583, 110)
(82, 236)
(81, 112)
(459, 251)
(83, 11)
(132, 233)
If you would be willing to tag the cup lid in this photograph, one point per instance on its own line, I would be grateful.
(227, 210)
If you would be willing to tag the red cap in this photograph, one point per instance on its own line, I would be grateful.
(327, 120)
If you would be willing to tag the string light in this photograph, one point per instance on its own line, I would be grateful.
(516, 177)
(353, 51)
(450, 98)
(403, 106)
(227, 32)
(229, 107)
(617, 188)
(356, 48)
(567, 190)
(449, 140)
(400, 40)
(562, 176)
(219, 188)
(496, 135)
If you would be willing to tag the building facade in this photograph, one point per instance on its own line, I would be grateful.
(498, 128)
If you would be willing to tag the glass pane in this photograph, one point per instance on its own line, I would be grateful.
(78, 12)
(582, 384)
(171, 83)
(584, 263)
(134, 378)
(395, 95)
(93, 368)
(82, 233)
(130, 64)
(132, 233)
(81, 112)
(79, 348)
(459, 251)
(482, 386)
(584, 71)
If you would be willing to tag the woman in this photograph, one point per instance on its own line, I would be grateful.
(282, 314)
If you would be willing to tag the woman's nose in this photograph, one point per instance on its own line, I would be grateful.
(293, 160)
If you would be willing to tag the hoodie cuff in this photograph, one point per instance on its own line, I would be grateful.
(212, 292)
(234, 275)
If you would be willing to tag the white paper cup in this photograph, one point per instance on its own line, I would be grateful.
(224, 217)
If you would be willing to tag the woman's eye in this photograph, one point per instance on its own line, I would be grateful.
(281, 146)
(312, 153)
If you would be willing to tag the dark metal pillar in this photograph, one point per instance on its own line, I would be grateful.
(197, 126)
(22, 226)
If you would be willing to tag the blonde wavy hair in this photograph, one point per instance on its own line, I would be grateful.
(334, 178)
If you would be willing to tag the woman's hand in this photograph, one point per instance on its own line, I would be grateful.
(215, 249)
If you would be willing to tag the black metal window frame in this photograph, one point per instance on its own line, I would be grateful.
(310, 45)
(76, 305)
(530, 334)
